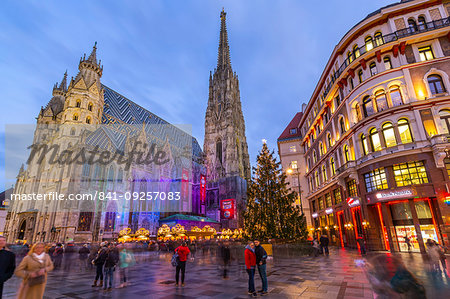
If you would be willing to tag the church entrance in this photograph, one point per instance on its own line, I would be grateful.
(22, 230)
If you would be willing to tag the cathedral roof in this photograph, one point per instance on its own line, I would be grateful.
(286, 135)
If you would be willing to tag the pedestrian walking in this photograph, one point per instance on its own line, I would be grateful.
(316, 246)
(33, 270)
(182, 252)
(324, 241)
(250, 264)
(99, 262)
(7, 263)
(261, 257)
(225, 254)
(126, 260)
(58, 255)
(83, 254)
(111, 260)
(434, 253)
(405, 283)
(408, 242)
(362, 245)
(193, 248)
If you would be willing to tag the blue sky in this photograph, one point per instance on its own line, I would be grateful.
(159, 54)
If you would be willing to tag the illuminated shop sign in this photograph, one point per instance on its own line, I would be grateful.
(315, 215)
(394, 194)
(352, 202)
(329, 211)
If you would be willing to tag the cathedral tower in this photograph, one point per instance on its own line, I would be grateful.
(225, 144)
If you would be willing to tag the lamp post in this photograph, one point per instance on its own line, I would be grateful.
(290, 171)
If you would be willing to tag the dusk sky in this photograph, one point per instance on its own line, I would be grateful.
(159, 55)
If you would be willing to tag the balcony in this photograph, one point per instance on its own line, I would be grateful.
(386, 39)
(440, 139)
(343, 168)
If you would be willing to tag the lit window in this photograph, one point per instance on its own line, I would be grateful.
(294, 165)
(444, 115)
(321, 151)
(356, 51)
(447, 166)
(426, 53)
(436, 85)
(293, 131)
(360, 76)
(378, 38)
(411, 173)
(346, 154)
(316, 177)
(349, 56)
(404, 130)
(389, 135)
(337, 196)
(328, 200)
(380, 99)
(364, 144)
(90, 106)
(374, 140)
(309, 164)
(78, 104)
(75, 117)
(338, 101)
(428, 122)
(376, 180)
(352, 189)
(387, 63)
(369, 43)
(357, 112)
(333, 166)
(292, 149)
(368, 106)
(396, 96)
(324, 173)
(342, 125)
(329, 140)
(321, 206)
(373, 69)
(88, 120)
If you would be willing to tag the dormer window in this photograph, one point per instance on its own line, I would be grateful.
(293, 131)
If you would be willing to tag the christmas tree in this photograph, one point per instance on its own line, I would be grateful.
(270, 212)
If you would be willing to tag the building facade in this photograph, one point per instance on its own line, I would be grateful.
(375, 133)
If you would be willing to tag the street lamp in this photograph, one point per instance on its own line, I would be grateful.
(290, 171)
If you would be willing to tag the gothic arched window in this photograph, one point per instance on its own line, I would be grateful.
(219, 150)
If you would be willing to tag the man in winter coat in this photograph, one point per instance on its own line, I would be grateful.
(111, 260)
(182, 252)
(250, 264)
(99, 261)
(324, 241)
(261, 256)
(7, 263)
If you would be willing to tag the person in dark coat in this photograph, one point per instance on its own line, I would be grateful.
(261, 256)
(111, 260)
(7, 263)
(324, 241)
(57, 256)
(99, 261)
(225, 253)
(83, 254)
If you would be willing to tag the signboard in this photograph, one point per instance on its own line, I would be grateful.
(352, 201)
(315, 215)
(388, 195)
(329, 211)
(202, 188)
(227, 209)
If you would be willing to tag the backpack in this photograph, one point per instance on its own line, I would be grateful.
(175, 259)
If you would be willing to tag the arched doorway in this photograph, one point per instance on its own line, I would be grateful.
(22, 230)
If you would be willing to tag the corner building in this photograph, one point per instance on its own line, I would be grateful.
(375, 133)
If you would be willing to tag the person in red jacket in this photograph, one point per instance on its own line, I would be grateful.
(250, 264)
(182, 252)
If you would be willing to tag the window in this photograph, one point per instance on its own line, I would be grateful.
(447, 166)
(75, 117)
(329, 140)
(356, 51)
(422, 23)
(444, 115)
(436, 85)
(84, 221)
(86, 170)
(72, 131)
(88, 120)
(325, 117)
(309, 164)
(357, 112)
(350, 83)
(346, 154)
(338, 101)
(337, 196)
(373, 69)
(318, 129)
(389, 135)
(412, 25)
(219, 150)
(378, 38)
(324, 173)
(411, 173)
(321, 206)
(426, 53)
(349, 56)
(404, 130)
(376, 180)
(292, 149)
(374, 140)
(368, 106)
(333, 166)
(293, 131)
(78, 104)
(328, 200)
(310, 184)
(110, 219)
(90, 106)
(396, 96)
(314, 157)
(365, 148)
(369, 43)
(120, 176)
(428, 122)
(380, 99)
(351, 187)
(342, 125)
(321, 150)
(360, 76)
(294, 165)
(316, 178)
(387, 63)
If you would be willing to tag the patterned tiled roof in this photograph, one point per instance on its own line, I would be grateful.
(286, 135)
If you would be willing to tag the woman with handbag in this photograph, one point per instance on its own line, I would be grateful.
(33, 270)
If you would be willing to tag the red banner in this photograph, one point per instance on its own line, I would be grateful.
(227, 208)
(202, 188)
(185, 183)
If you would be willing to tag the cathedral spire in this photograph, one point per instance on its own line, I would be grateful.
(63, 84)
(223, 58)
(91, 62)
(93, 57)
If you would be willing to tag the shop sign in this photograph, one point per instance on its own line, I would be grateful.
(394, 194)
(227, 208)
(315, 215)
(329, 211)
(352, 201)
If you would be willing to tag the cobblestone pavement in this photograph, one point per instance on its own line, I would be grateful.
(336, 276)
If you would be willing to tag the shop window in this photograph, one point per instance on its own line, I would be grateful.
(396, 96)
(389, 135)
(331, 220)
(84, 221)
(380, 99)
(369, 43)
(320, 203)
(368, 106)
(373, 69)
(436, 85)
(423, 210)
(404, 130)
(324, 173)
(376, 180)
(378, 38)
(365, 148)
(328, 200)
(351, 187)
(387, 63)
(323, 221)
(360, 76)
(346, 154)
(374, 140)
(428, 122)
(333, 166)
(426, 53)
(444, 115)
(411, 173)
(337, 196)
(401, 211)
(316, 177)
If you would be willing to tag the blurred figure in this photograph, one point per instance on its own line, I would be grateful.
(127, 260)
(434, 253)
(324, 241)
(182, 252)
(261, 256)
(225, 253)
(362, 245)
(316, 246)
(58, 255)
(33, 270)
(83, 254)
(69, 256)
(405, 283)
(111, 260)
(7, 263)
(408, 243)
(50, 252)
(193, 249)
(379, 271)
(250, 264)
(99, 261)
